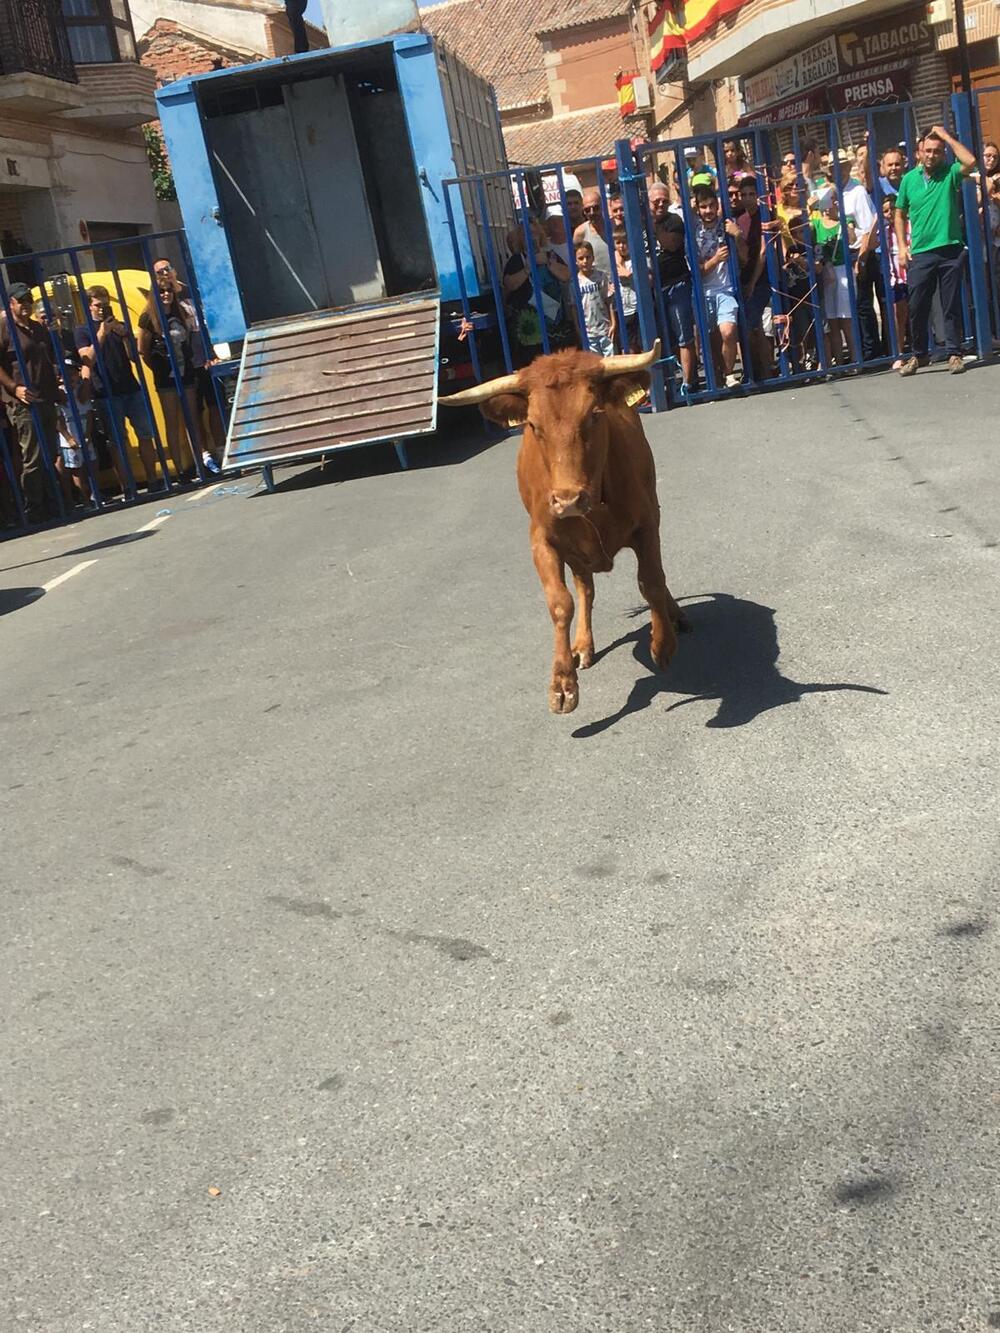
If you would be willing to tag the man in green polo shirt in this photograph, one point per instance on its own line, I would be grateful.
(929, 199)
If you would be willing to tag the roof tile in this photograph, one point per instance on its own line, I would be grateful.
(565, 138)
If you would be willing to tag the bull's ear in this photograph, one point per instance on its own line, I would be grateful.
(627, 390)
(506, 409)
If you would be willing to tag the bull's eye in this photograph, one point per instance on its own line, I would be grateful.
(535, 428)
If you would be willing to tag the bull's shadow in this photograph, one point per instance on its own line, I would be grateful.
(731, 656)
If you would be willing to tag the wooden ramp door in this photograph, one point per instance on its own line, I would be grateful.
(334, 380)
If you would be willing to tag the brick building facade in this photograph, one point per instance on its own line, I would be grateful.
(182, 37)
(73, 99)
(553, 65)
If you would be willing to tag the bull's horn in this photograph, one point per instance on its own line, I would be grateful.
(479, 393)
(631, 362)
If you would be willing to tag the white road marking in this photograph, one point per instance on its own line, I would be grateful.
(200, 495)
(154, 522)
(61, 578)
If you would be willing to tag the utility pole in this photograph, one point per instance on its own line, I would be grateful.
(965, 73)
(963, 47)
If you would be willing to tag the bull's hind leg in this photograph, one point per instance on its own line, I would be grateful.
(583, 644)
(665, 612)
(563, 689)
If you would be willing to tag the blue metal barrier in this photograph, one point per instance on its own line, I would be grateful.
(62, 279)
(800, 347)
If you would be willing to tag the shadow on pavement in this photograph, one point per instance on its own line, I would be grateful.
(109, 542)
(731, 656)
(13, 599)
(456, 443)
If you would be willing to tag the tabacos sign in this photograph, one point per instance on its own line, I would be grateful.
(907, 34)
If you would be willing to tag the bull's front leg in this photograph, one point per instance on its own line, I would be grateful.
(563, 691)
(665, 613)
(583, 643)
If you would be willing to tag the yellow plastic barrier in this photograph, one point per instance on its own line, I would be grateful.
(135, 286)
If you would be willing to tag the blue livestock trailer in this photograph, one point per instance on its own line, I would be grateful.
(321, 235)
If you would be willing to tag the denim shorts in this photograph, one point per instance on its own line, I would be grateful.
(721, 306)
(131, 405)
(680, 313)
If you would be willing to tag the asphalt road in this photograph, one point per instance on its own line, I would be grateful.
(347, 989)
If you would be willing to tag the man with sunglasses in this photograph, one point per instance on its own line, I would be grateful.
(32, 406)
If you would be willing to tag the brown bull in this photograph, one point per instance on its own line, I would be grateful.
(587, 479)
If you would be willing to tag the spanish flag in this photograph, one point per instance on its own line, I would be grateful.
(666, 32)
(678, 22)
(626, 93)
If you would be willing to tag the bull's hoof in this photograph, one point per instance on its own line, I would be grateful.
(564, 694)
(583, 657)
(661, 654)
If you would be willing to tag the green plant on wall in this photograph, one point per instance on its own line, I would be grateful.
(159, 163)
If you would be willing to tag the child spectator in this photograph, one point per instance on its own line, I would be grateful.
(716, 241)
(74, 437)
(836, 294)
(595, 298)
(629, 336)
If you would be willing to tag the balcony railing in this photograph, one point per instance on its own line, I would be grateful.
(33, 40)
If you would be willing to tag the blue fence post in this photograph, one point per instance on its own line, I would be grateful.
(761, 151)
(64, 360)
(140, 370)
(697, 280)
(833, 133)
(965, 133)
(884, 242)
(991, 256)
(574, 272)
(628, 179)
(15, 489)
(494, 272)
(670, 352)
(463, 291)
(616, 283)
(815, 303)
(116, 426)
(191, 425)
(733, 265)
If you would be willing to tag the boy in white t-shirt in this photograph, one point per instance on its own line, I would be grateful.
(595, 298)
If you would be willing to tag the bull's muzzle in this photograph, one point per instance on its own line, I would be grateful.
(569, 504)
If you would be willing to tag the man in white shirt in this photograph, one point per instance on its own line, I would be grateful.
(868, 285)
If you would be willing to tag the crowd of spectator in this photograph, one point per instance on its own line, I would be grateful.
(71, 383)
(800, 285)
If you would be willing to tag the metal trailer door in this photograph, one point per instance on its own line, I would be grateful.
(334, 380)
(274, 245)
(335, 189)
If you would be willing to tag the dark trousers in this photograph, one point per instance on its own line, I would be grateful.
(871, 288)
(33, 474)
(939, 270)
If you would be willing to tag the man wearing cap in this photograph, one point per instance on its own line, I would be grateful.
(37, 400)
(929, 199)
